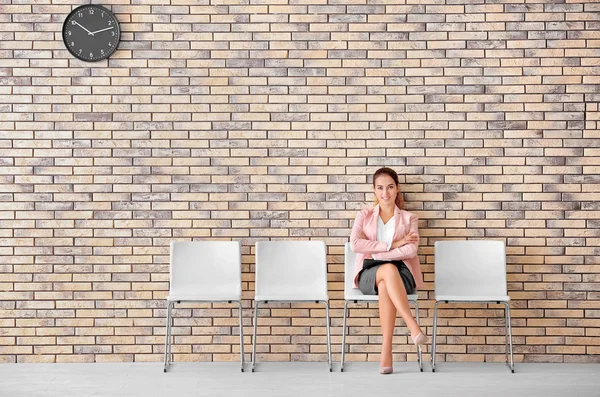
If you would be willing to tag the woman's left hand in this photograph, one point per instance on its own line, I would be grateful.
(410, 238)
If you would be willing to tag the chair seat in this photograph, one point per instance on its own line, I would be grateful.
(355, 295)
(204, 297)
(473, 298)
(291, 298)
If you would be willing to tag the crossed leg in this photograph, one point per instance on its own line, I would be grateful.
(392, 298)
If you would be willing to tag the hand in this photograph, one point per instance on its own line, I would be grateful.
(410, 238)
(77, 23)
(102, 30)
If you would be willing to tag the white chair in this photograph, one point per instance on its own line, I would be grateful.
(354, 295)
(472, 271)
(291, 271)
(204, 271)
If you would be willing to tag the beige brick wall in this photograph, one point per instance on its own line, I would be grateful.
(252, 122)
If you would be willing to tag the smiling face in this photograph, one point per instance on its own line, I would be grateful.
(386, 190)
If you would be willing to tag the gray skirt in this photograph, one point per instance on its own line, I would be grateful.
(367, 277)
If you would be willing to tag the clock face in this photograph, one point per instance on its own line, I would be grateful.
(91, 33)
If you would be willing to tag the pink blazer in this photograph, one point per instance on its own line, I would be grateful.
(363, 241)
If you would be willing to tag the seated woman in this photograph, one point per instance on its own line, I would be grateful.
(386, 239)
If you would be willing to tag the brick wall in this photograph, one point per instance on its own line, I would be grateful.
(265, 121)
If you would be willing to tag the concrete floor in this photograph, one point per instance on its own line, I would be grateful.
(298, 379)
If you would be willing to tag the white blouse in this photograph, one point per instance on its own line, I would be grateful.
(385, 232)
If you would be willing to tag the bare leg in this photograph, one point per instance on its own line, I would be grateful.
(397, 293)
(387, 316)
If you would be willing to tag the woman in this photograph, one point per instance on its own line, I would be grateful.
(386, 239)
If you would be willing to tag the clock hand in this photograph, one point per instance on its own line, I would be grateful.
(102, 30)
(77, 23)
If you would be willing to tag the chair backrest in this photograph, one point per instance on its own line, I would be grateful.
(291, 269)
(470, 268)
(349, 263)
(205, 268)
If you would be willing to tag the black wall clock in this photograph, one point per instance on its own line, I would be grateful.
(91, 33)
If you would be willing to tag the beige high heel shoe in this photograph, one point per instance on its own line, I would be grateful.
(420, 339)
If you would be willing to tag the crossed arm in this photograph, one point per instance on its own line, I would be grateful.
(401, 249)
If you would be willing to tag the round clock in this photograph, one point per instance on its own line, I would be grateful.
(91, 33)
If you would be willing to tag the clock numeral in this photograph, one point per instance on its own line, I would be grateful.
(80, 50)
(102, 14)
(110, 43)
(69, 32)
(112, 33)
(101, 52)
(109, 22)
(72, 43)
(91, 55)
(80, 14)
(73, 23)
(91, 12)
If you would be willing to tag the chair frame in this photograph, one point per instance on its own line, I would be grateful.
(170, 320)
(266, 301)
(507, 318)
(369, 298)
(507, 331)
(256, 304)
(411, 298)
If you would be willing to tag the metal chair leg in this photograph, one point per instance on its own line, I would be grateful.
(344, 335)
(171, 336)
(254, 338)
(241, 337)
(506, 335)
(168, 338)
(328, 336)
(419, 354)
(433, 345)
(512, 362)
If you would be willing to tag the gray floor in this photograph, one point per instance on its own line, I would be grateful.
(298, 379)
